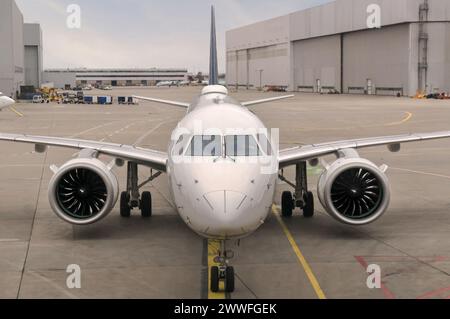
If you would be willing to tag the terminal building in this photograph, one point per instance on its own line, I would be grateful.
(62, 78)
(333, 47)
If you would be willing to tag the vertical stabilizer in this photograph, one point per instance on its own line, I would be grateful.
(213, 66)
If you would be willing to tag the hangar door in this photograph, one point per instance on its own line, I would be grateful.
(317, 64)
(31, 66)
(378, 60)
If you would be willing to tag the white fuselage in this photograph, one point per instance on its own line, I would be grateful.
(221, 197)
(5, 102)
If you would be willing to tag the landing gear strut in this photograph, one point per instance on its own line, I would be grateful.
(223, 272)
(302, 197)
(132, 198)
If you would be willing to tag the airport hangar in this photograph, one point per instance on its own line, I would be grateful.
(20, 50)
(330, 47)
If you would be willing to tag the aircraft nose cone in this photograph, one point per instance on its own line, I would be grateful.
(229, 213)
(226, 203)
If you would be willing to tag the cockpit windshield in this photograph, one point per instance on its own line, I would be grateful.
(241, 145)
(205, 145)
(233, 145)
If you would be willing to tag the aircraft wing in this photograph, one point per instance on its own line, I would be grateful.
(308, 152)
(272, 99)
(154, 159)
(173, 103)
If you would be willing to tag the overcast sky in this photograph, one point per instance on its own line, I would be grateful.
(144, 33)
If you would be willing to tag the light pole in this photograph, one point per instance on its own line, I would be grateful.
(260, 79)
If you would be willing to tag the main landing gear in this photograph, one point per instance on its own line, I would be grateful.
(301, 197)
(223, 272)
(132, 198)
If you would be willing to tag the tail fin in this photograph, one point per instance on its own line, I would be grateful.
(213, 63)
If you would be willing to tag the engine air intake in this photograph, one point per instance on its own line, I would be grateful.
(81, 193)
(356, 193)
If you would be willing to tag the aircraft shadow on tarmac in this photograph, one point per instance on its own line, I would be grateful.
(133, 228)
(324, 227)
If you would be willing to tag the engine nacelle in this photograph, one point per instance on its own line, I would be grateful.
(354, 191)
(83, 191)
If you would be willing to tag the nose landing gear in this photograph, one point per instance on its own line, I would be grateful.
(223, 272)
(132, 198)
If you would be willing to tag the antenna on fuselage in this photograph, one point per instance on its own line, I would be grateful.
(213, 63)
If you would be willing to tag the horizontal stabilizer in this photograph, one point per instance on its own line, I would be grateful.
(173, 103)
(250, 103)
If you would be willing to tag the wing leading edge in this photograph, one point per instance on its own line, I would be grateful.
(272, 99)
(154, 159)
(187, 105)
(173, 103)
(308, 152)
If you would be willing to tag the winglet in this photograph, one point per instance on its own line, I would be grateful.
(213, 63)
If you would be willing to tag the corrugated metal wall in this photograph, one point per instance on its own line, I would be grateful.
(317, 59)
(32, 65)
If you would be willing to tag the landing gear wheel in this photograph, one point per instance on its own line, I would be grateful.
(146, 204)
(215, 279)
(308, 210)
(125, 209)
(229, 280)
(287, 204)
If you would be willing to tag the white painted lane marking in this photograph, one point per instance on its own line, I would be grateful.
(419, 172)
(151, 131)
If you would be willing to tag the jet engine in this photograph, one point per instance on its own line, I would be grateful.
(83, 191)
(354, 190)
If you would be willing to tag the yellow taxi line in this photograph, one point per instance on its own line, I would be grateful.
(15, 111)
(301, 258)
(409, 115)
(213, 248)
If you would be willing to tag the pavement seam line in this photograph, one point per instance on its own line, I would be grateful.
(301, 258)
(150, 132)
(418, 260)
(32, 225)
(246, 286)
(419, 172)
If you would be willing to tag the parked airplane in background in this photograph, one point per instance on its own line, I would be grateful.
(166, 83)
(5, 101)
(217, 173)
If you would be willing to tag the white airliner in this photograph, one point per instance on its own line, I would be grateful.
(5, 101)
(218, 176)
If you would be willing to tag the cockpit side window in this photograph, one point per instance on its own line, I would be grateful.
(265, 144)
(205, 145)
(179, 146)
(241, 145)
